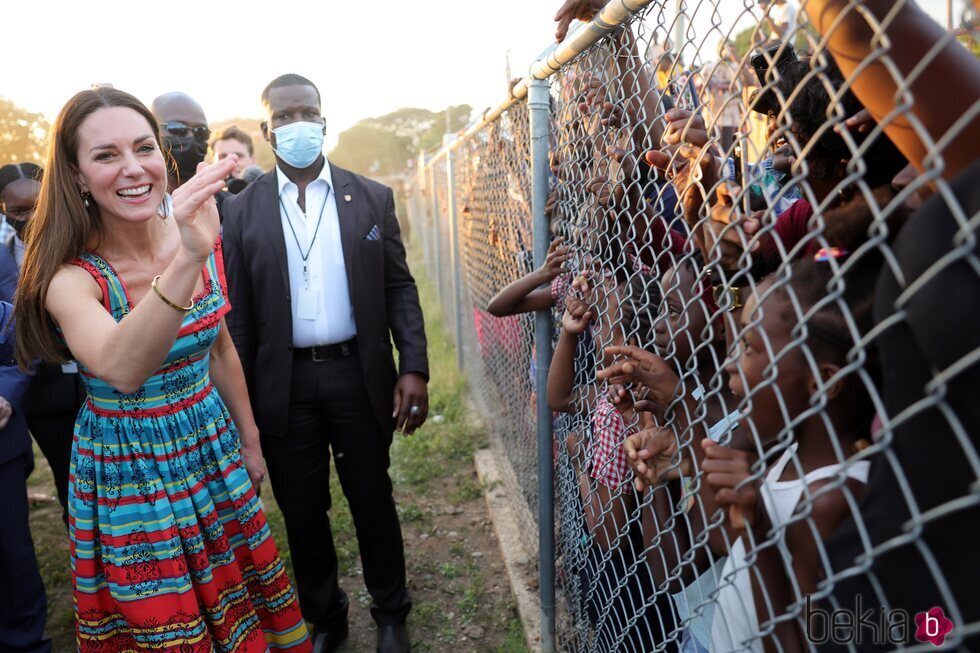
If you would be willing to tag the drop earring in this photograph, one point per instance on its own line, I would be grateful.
(85, 197)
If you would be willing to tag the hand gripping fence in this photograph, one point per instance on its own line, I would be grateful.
(712, 272)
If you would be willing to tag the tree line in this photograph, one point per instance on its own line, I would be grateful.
(380, 146)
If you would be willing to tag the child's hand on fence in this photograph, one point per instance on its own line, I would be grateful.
(554, 263)
(630, 398)
(577, 316)
(729, 232)
(630, 186)
(688, 160)
(636, 365)
(728, 471)
(693, 171)
(652, 454)
(592, 98)
(584, 287)
(605, 186)
(620, 397)
(684, 126)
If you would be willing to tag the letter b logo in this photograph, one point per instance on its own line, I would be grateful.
(932, 626)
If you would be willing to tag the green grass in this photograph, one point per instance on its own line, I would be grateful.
(410, 513)
(448, 570)
(467, 490)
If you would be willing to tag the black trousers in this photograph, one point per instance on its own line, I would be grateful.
(329, 410)
(51, 406)
(23, 603)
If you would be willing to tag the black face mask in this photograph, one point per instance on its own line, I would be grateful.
(187, 152)
(18, 225)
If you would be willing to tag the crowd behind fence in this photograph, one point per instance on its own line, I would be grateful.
(719, 298)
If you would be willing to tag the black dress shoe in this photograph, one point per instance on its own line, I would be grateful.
(328, 641)
(393, 639)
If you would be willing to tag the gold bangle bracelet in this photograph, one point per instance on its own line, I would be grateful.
(166, 300)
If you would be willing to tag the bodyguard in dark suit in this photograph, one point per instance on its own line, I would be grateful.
(23, 604)
(319, 287)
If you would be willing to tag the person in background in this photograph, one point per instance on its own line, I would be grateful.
(56, 392)
(233, 141)
(780, 18)
(8, 276)
(664, 67)
(19, 184)
(724, 84)
(320, 285)
(185, 133)
(23, 603)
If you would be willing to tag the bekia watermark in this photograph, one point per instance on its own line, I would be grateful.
(878, 626)
(932, 626)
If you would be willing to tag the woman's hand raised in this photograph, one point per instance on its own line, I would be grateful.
(195, 210)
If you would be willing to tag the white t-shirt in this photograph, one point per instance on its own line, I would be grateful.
(695, 604)
(736, 624)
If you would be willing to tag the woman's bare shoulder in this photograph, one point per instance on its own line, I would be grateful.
(71, 280)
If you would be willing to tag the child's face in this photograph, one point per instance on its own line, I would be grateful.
(765, 351)
(682, 319)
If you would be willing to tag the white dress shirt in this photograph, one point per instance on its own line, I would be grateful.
(323, 313)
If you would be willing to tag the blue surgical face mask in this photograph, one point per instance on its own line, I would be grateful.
(299, 143)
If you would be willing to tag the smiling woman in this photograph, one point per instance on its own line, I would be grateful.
(169, 544)
(126, 180)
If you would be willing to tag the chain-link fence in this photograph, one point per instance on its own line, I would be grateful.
(752, 230)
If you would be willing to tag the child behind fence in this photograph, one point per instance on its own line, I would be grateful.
(803, 399)
(684, 556)
(620, 603)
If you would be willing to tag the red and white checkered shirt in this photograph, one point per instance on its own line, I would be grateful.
(609, 431)
(560, 286)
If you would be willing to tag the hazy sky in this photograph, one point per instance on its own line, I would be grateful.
(369, 57)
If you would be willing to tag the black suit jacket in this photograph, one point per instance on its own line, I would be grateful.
(382, 291)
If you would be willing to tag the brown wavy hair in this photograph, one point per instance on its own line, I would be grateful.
(62, 225)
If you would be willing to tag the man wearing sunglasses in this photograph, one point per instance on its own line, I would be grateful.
(185, 133)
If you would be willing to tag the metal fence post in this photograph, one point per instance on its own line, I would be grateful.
(420, 208)
(436, 254)
(538, 104)
(457, 265)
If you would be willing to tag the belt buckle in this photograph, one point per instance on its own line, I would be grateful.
(316, 359)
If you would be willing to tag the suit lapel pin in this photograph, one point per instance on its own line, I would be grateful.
(346, 198)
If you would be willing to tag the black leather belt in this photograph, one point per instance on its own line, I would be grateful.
(326, 353)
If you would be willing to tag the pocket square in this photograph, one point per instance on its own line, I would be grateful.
(374, 234)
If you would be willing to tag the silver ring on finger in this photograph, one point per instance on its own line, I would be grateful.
(414, 410)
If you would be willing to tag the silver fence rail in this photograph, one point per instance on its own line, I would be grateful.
(712, 272)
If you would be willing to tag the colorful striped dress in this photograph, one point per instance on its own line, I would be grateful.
(170, 549)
